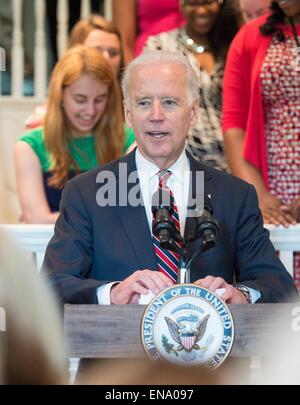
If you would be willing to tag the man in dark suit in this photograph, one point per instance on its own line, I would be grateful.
(105, 253)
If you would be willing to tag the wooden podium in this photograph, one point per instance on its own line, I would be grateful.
(100, 331)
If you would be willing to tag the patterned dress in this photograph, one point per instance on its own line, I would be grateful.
(205, 140)
(280, 78)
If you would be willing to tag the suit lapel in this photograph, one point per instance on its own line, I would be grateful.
(134, 221)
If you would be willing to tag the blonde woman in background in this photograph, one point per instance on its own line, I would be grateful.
(32, 349)
(83, 127)
(93, 32)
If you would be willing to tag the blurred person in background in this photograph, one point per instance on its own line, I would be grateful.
(146, 372)
(138, 19)
(83, 127)
(93, 32)
(32, 348)
(204, 41)
(261, 112)
(252, 9)
(97, 32)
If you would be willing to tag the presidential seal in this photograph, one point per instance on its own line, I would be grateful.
(188, 324)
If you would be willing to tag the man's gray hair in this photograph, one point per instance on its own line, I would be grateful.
(152, 58)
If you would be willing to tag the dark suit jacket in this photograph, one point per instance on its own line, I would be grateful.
(93, 245)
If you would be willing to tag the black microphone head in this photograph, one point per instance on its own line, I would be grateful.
(207, 222)
(207, 226)
(162, 208)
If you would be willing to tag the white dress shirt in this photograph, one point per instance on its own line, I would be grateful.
(179, 178)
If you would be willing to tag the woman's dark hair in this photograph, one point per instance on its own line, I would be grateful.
(272, 25)
(225, 28)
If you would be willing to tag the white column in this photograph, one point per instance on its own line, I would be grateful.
(17, 50)
(108, 9)
(2, 65)
(40, 59)
(85, 9)
(2, 59)
(62, 27)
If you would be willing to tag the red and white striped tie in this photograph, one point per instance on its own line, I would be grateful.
(167, 260)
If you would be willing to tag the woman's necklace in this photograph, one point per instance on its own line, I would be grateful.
(189, 43)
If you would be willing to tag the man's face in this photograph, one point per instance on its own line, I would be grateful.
(159, 111)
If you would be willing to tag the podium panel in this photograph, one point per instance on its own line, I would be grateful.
(113, 331)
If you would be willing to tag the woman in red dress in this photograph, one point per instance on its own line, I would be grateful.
(261, 112)
(138, 19)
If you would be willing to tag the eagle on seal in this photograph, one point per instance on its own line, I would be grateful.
(187, 338)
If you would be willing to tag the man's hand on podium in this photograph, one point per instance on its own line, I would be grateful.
(231, 294)
(140, 282)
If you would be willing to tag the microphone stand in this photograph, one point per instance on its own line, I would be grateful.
(184, 271)
(184, 274)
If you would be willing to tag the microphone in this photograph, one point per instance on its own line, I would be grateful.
(207, 226)
(163, 226)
